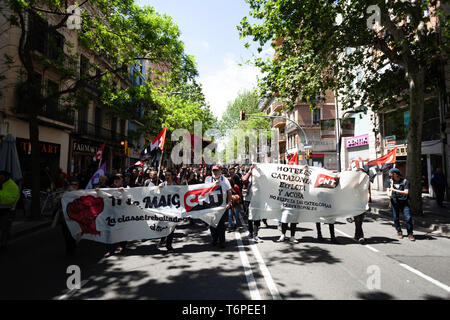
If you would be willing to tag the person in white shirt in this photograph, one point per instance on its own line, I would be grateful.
(218, 234)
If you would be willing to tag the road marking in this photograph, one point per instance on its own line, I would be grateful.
(254, 292)
(72, 291)
(420, 274)
(265, 271)
(365, 245)
(263, 267)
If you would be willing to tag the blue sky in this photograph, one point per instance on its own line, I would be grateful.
(209, 32)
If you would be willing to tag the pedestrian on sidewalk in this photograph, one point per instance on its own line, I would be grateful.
(398, 193)
(218, 233)
(9, 196)
(439, 184)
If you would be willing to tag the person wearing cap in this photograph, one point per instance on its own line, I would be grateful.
(398, 193)
(218, 233)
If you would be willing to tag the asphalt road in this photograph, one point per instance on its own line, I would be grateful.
(36, 266)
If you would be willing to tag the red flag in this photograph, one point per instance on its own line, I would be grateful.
(99, 154)
(158, 142)
(388, 158)
(139, 163)
(293, 160)
(377, 166)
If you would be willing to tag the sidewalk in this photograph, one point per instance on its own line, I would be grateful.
(22, 225)
(434, 219)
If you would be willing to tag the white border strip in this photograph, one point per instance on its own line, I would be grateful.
(254, 292)
(420, 274)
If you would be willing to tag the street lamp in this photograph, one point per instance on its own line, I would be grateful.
(338, 125)
(307, 146)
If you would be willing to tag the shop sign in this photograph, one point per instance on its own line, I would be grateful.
(24, 147)
(389, 141)
(84, 147)
(357, 141)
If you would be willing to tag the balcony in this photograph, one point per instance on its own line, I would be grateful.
(278, 123)
(277, 106)
(282, 138)
(55, 113)
(84, 128)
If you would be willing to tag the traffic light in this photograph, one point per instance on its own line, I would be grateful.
(242, 115)
(124, 145)
(308, 154)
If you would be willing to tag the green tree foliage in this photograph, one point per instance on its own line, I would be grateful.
(115, 33)
(320, 44)
(245, 100)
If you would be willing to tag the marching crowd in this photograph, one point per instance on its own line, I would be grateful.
(235, 181)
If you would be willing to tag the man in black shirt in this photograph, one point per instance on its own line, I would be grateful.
(398, 192)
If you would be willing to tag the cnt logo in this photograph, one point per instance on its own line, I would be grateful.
(325, 181)
(200, 199)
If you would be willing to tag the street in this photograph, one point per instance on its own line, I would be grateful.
(35, 266)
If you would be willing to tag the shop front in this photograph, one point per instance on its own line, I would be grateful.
(49, 162)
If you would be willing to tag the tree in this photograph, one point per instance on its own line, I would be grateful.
(116, 33)
(320, 43)
(233, 129)
(246, 100)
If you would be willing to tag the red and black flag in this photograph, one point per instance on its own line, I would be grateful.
(377, 166)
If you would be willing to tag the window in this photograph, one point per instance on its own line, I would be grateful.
(48, 43)
(317, 116)
(52, 105)
(84, 66)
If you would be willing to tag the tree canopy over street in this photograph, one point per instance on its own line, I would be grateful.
(321, 45)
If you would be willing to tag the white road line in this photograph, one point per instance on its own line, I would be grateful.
(420, 274)
(254, 293)
(72, 291)
(264, 270)
(366, 245)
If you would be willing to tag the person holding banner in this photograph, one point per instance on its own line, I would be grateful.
(111, 248)
(398, 192)
(70, 242)
(332, 235)
(167, 241)
(284, 227)
(218, 234)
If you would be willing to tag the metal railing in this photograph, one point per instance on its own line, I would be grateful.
(88, 129)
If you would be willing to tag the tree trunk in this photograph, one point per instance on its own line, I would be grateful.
(35, 166)
(416, 80)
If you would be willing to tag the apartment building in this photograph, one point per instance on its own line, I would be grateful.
(292, 140)
(69, 137)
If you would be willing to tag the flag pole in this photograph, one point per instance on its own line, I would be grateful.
(160, 162)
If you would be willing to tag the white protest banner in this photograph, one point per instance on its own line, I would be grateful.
(115, 215)
(294, 194)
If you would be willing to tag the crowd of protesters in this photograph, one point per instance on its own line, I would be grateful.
(236, 182)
